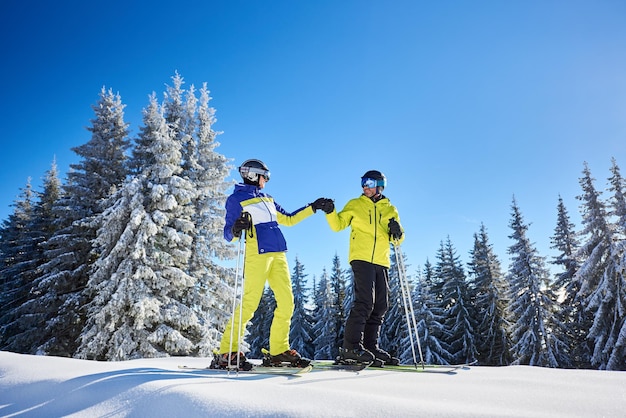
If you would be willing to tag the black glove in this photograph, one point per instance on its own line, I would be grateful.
(394, 229)
(243, 222)
(327, 205)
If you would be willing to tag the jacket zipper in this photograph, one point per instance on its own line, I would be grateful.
(375, 227)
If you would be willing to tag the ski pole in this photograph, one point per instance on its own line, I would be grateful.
(232, 315)
(408, 305)
(240, 253)
(405, 303)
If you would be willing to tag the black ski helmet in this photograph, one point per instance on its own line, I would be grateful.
(251, 169)
(381, 180)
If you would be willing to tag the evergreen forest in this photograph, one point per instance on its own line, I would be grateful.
(124, 259)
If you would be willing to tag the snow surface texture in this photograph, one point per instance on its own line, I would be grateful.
(38, 386)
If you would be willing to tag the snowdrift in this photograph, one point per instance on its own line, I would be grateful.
(37, 386)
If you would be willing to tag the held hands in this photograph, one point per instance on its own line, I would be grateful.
(327, 205)
(243, 222)
(395, 232)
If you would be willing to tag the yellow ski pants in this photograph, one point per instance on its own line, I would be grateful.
(259, 268)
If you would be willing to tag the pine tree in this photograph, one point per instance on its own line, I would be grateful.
(139, 285)
(324, 319)
(301, 334)
(607, 300)
(595, 237)
(16, 248)
(179, 109)
(566, 242)
(617, 284)
(430, 323)
(600, 273)
(348, 301)
(532, 301)
(258, 331)
(338, 286)
(456, 305)
(190, 122)
(394, 328)
(490, 302)
(23, 330)
(100, 172)
(208, 171)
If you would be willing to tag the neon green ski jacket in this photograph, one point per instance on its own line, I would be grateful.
(369, 237)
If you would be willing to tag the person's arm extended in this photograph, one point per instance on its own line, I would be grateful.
(289, 219)
(341, 220)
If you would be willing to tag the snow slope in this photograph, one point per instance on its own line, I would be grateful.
(37, 386)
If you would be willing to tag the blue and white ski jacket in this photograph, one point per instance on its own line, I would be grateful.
(266, 215)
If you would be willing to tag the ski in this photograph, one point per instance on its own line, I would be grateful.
(330, 365)
(418, 369)
(278, 370)
(426, 368)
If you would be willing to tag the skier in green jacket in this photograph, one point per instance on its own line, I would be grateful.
(374, 223)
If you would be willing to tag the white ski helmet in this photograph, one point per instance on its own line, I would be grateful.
(251, 169)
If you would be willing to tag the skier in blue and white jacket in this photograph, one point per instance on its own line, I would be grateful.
(250, 210)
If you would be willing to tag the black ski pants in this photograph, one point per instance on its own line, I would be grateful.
(371, 284)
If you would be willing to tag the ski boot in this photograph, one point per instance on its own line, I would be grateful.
(221, 361)
(354, 356)
(383, 358)
(289, 358)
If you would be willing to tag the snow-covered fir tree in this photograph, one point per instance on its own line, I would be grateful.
(191, 120)
(601, 275)
(16, 247)
(24, 331)
(209, 171)
(301, 334)
(593, 252)
(258, 330)
(349, 300)
(324, 319)
(617, 284)
(565, 240)
(430, 323)
(569, 310)
(601, 260)
(532, 301)
(409, 345)
(394, 328)
(338, 279)
(456, 304)
(179, 109)
(101, 170)
(139, 285)
(490, 294)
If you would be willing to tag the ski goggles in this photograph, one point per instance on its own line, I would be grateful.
(371, 183)
(260, 171)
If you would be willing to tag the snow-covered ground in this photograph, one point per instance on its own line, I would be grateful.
(36, 386)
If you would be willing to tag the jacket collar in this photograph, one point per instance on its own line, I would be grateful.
(380, 197)
(247, 188)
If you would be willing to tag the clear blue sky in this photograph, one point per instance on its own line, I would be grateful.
(462, 104)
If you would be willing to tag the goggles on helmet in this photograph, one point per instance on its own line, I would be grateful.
(371, 183)
(260, 171)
